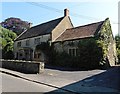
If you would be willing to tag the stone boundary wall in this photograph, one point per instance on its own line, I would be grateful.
(28, 67)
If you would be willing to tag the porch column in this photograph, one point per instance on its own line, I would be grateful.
(33, 54)
(29, 54)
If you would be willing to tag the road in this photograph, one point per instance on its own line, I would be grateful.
(76, 81)
(14, 84)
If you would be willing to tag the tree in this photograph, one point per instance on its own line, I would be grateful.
(16, 25)
(117, 38)
(6, 41)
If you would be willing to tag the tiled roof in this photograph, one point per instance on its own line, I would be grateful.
(80, 32)
(42, 29)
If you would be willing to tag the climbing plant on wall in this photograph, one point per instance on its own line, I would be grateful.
(103, 39)
(89, 53)
(93, 51)
(117, 38)
(45, 48)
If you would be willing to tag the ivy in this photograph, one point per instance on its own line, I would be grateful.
(117, 38)
(46, 49)
(71, 43)
(92, 51)
(104, 37)
(43, 46)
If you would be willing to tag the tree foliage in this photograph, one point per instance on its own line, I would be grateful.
(16, 25)
(6, 41)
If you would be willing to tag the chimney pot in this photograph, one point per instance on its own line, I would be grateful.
(66, 12)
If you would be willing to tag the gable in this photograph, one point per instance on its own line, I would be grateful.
(62, 26)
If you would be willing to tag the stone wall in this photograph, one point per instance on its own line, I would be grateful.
(61, 27)
(112, 56)
(29, 67)
(32, 45)
(64, 46)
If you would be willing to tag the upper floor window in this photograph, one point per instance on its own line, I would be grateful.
(19, 44)
(37, 41)
(27, 42)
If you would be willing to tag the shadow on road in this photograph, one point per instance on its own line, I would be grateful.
(109, 79)
(68, 69)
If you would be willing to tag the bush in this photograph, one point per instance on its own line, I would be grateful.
(89, 56)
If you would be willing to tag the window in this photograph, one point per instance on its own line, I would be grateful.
(35, 55)
(20, 54)
(77, 52)
(27, 42)
(19, 44)
(39, 54)
(37, 41)
(73, 52)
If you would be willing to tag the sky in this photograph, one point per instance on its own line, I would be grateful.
(81, 12)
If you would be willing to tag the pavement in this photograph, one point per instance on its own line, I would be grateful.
(94, 81)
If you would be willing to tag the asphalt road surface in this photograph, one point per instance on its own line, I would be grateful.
(14, 84)
(105, 80)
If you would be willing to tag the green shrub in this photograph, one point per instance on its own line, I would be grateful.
(117, 38)
(7, 38)
(89, 56)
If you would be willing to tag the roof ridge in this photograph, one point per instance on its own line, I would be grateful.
(85, 25)
(47, 22)
(87, 30)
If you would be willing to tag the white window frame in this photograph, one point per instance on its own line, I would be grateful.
(19, 44)
(27, 42)
(73, 51)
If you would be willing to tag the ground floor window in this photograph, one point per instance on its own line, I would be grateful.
(73, 52)
(37, 55)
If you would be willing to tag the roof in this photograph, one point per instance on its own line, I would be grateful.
(84, 31)
(42, 29)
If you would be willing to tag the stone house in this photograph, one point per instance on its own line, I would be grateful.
(26, 43)
(61, 34)
(69, 40)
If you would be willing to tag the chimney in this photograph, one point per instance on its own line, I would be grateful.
(66, 12)
(30, 25)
